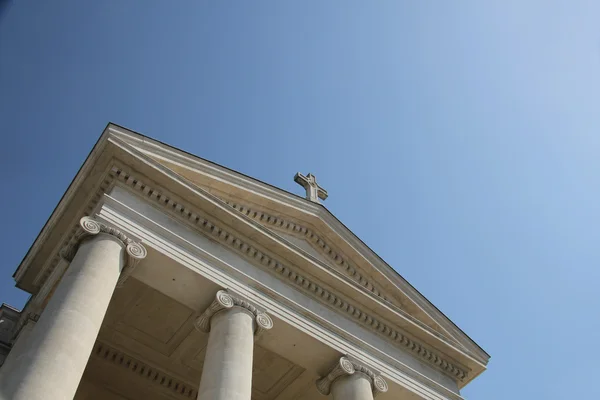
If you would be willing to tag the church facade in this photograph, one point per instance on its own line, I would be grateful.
(161, 275)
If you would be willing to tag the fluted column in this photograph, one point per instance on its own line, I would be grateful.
(232, 323)
(60, 344)
(351, 380)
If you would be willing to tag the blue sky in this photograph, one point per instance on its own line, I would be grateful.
(459, 140)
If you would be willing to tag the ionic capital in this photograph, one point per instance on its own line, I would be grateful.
(90, 227)
(344, 367)
(225, 300)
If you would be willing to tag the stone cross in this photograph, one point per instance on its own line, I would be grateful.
(313, 190)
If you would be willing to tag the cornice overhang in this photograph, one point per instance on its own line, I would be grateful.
(92, 181)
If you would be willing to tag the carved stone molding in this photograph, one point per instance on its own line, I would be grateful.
(224, 301)
(90, 227)
(345, 366)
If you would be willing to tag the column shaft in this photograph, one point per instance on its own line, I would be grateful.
(227, 370)
(352, 387)
(61, 342)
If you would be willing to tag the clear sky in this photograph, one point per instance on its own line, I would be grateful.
(458, 139)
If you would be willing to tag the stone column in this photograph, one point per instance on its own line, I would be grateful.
(350, 380)
(232, 322)
(60, 344)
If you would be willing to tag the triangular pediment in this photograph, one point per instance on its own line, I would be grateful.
(307, 226)
(291, 238)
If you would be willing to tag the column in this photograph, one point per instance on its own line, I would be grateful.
(232, 322)
(351, 380)
(62, 340)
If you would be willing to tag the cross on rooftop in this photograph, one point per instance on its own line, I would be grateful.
(313, 190)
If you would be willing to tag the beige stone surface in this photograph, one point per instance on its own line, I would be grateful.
(227, 370)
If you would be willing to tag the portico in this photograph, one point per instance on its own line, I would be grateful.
(163, 276)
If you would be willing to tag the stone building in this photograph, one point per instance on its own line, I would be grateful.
(161, 275)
